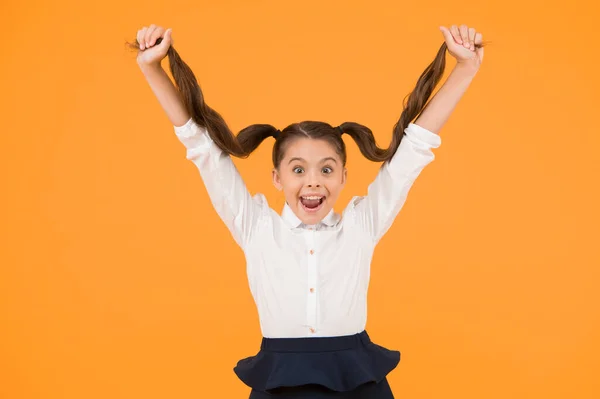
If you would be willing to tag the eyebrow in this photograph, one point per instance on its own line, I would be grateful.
(298, 159)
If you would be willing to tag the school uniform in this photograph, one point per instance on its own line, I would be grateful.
(310, 283)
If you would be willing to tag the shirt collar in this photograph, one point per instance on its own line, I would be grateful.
(290, 218)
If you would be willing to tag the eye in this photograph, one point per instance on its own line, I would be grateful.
(298, 169)
(327, 170)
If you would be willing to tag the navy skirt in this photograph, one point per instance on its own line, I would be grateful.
(348, 367)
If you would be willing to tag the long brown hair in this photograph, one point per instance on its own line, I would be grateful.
(249, 138)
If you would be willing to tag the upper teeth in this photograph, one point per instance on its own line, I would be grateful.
(312, 197)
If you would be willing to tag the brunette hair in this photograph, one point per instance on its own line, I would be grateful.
(249, 138)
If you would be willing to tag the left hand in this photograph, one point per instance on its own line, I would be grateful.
(461, 42)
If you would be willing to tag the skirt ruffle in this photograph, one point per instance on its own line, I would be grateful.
(340, 364)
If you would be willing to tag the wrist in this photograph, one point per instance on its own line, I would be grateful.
(467, 67)
(150, 68)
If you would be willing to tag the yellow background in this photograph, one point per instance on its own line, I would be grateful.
(118, 280)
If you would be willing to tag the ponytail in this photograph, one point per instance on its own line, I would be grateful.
(250, 138)
(413, 105)
(239, 146)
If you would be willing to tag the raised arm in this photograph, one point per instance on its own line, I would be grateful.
(441, 106)
(388, 193)
(149, 59)
(225, 187)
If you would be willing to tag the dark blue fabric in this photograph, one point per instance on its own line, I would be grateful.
(371, 390)
(330, 366)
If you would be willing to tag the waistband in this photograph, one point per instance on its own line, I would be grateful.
(316, 344)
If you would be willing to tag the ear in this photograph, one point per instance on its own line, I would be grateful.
(344, 176)
(277, 180)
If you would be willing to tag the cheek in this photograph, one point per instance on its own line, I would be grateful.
(335, 190)
(335, 187)
(291, 185)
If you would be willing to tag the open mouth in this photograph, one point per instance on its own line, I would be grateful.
(312, 203)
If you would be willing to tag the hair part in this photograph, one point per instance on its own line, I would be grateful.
(249, 138)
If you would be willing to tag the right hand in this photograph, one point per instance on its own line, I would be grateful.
(150, 52)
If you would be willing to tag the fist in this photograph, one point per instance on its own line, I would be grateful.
(154, 43)
(464, 43)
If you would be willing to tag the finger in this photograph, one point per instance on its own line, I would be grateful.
(472, 32)
(455, 34)
(140, 37)
(149, 34)
(158, 32)
(478, 38)
(464, 35)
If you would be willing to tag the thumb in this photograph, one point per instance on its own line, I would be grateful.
(479, 53)
(167, 40)
(447, 35)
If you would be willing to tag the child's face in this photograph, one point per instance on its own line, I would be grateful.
(311, 176)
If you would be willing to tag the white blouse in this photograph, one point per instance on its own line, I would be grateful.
(308, 281)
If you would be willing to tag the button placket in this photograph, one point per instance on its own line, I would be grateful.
(311, 299)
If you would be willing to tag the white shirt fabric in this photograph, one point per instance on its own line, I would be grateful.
(308, 281)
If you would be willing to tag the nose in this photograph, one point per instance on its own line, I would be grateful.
(312, 180)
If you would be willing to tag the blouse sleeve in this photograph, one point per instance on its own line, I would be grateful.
(225, 186)
(386, 195)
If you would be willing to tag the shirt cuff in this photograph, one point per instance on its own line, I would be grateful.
(194, 138)
(420, 135)
(189, 129)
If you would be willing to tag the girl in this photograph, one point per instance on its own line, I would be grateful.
(308, 267)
